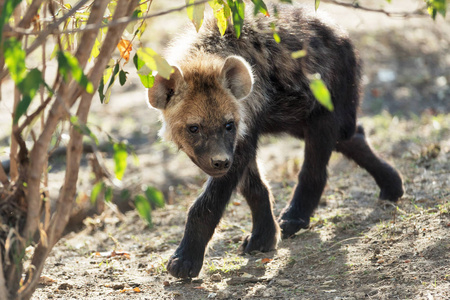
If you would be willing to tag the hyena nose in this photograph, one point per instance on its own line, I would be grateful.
(220, 163)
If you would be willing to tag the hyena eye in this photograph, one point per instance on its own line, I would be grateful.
(193, 129)
(229, 126)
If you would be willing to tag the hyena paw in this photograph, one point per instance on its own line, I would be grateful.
(391, 194)
(260, 242)
(184, 266)
(290, 224)
(392, 188)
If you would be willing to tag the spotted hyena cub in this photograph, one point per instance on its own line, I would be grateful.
(226, 92)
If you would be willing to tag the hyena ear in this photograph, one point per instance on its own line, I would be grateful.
(162, 90)
(236, 75)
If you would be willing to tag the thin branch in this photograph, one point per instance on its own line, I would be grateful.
(47, 204)
(124, 20)
(399, 14)
(3, 289)
(29, 15)
(43, 35)
(13, 169)
(88, 39)
(3, 177)
(31, 117)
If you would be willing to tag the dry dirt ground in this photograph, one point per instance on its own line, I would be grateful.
(357, 247)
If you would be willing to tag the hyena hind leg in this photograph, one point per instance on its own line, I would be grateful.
(387, 178)
(319, 143)
(265, 232)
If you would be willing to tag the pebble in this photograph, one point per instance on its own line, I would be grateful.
(285, 282)
(216, 277)
(223, 294)
(269, 293)
(65, 286)
(118, 286)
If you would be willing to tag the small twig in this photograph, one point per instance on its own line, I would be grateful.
(43, 35)
(400, 14)
(343, 241)
(114, 23)
(31, 117)
(13, 169)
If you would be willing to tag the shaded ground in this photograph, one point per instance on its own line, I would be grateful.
(357, 247)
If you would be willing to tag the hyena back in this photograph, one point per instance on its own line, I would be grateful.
(226, 92)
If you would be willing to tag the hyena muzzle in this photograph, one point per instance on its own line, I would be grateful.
(225, 92)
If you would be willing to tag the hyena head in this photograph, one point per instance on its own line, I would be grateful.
(202, 109)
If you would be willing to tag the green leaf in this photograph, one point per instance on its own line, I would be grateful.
(122, 77)
(108, 194)
(95, 50)
(147, 80)
(28, 87)
(316, 4)
(276, 37)
(221, 12)
(68, 64)
(261, 7)
(437, 6)
(238, 13)
(154, 62)
(96, 190)
(125, 194)
(101, 86)
(155, 197)
(144, 209)
(195, 12)
(15, 59)
(7, 11)
(120, 159)
(141, 30)
(298, 54)
(138, 63)
(275, 34)
(112, 79)
(321, 93)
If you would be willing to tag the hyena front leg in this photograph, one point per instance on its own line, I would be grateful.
(203, 217)
(205, 214)
(265, 232)
(320, 139)
(387, 178)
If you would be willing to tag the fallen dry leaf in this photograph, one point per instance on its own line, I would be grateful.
(266, 260)
(113, 253)
(45, 280)
(137, 290)
(125, 48)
